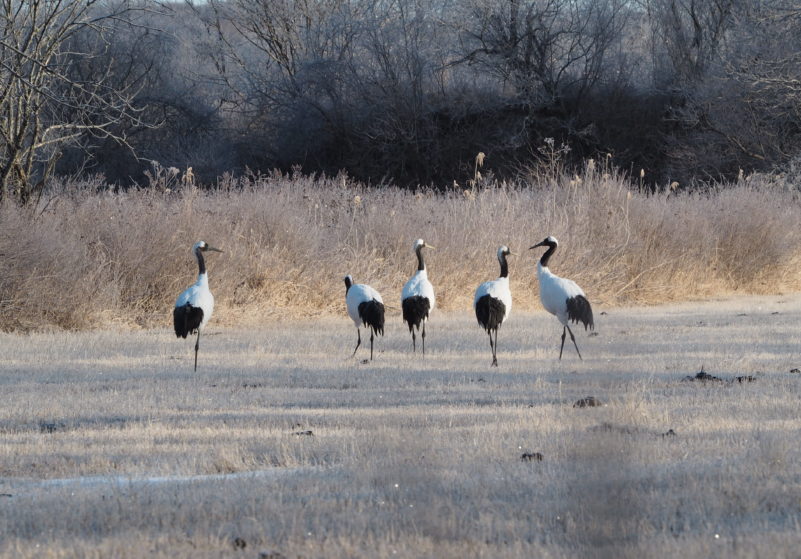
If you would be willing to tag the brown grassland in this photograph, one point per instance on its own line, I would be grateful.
(86, 257)
(282, 445)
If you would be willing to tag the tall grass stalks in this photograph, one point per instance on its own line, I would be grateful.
(89, 257)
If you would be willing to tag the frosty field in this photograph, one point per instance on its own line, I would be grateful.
(282, 445)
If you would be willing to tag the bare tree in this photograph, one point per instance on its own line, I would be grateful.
(544, 48)
(765, 69)
(692, 32)
(744, 110)
(45, 102)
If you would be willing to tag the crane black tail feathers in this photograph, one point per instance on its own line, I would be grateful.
(490, 312)
(372, 314)
(579, 310)
(186, 319)
(415, 310)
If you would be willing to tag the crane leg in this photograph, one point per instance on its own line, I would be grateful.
(574, 341)
(563, 343)
(414, 341)
(358, 341)
(423, 336)
(495, 355)
(197, 347)
(492, 347)
(371, 344)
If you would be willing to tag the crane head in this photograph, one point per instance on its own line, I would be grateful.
(549, 241)
(204, 246)
(420, 243)
(504, 251)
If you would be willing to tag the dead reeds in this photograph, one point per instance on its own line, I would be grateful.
(89, 257)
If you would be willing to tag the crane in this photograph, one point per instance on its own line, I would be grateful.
(366, 308)
(493, 302)
(194, 306)
(417, 297)
(562, 297)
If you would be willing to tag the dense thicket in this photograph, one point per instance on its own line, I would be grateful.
(403, 91)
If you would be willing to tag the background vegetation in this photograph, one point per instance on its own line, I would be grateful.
(314, 138)
(402, 91)
(85, 256)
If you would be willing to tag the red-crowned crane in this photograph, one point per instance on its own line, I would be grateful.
(194, 306)
(417, 297)
(493, 302)
(562, 297)
(366, 308)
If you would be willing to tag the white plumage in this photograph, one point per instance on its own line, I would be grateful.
(195, 304)
(562, 297)
(417, 297)
(493, 302)
(198, 295)
(365, 308)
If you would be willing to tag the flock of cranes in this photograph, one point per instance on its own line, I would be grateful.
(492, 303)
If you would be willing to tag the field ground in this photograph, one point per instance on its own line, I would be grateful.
(281, 445)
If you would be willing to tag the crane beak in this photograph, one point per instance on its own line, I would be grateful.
(542, 244)
(211, 248)
(429, 246)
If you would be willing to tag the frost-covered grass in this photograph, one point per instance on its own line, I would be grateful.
(409, 457)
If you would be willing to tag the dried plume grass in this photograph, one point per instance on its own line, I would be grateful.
(88, 256)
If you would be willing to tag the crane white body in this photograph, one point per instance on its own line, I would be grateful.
(555, 292)
(198, 295)
(357, 294)
(497, 289)
(418, 285)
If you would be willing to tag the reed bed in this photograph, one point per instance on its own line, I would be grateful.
(89, 256)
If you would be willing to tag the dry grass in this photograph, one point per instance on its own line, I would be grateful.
(409, 457)
(92, 258)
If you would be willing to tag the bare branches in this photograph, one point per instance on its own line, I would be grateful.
(44, 103)
(544, 48)
(692, 32)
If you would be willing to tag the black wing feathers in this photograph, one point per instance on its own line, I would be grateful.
(579, 310)
(415, 310)
(186, 319)
(490, 312)
(372, 314)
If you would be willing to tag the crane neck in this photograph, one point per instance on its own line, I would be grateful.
(548, 254)
(201, 263)
(543, 271)
(504, 266)
(421, 265)
(348, 284)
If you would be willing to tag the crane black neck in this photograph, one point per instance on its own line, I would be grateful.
(421, 265)
(504, 266)
(201, 263)
(548, 254)
(348, 283)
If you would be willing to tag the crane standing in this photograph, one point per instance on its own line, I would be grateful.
(493, 302)
(194, 306)
(366, 308)
(417, 297)
(562, 297)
